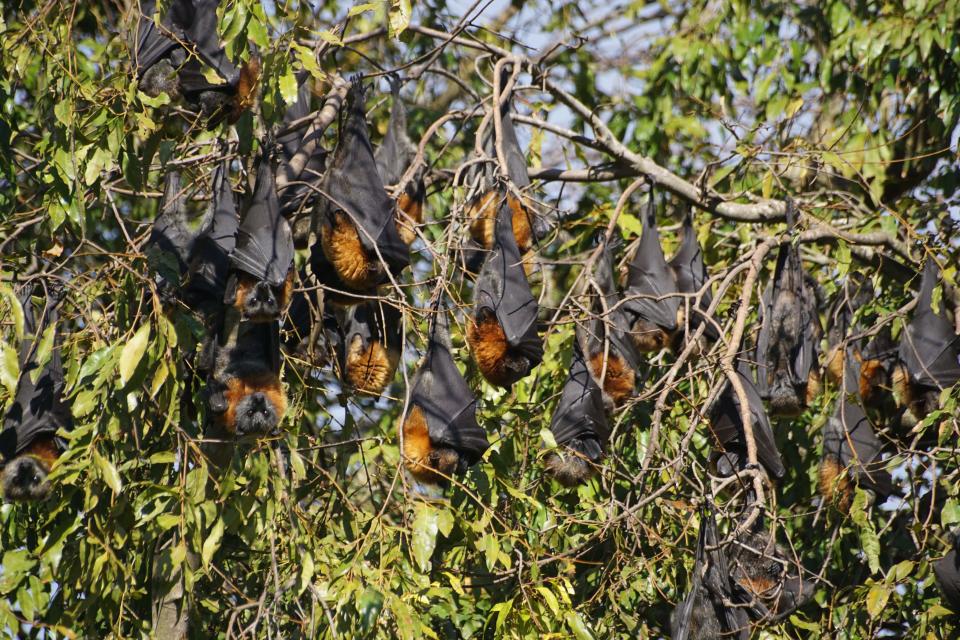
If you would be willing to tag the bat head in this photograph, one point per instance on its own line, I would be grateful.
(24, 479)
(256, 414)
(260, 301)
(577, 464)
(784, 399)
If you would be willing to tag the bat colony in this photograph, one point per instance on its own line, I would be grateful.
(236, 272)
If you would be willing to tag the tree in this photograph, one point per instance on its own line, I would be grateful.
(729, 107)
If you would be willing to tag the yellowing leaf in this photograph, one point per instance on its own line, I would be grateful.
(132, 353)
(877, 599)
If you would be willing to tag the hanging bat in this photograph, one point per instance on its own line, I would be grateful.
(930, 351)
(261, 278)
(441, 436)
(503, 331)
(393, 158)
(605, 337)
(726, 427)
(529, 224)
(368, 345)
(298, 195)
(243, 385)
(879, 360)
(788, 374)
(359, 246)
(947, 573)
(209, 258)
(172, 57)
(854, 293)
(709, 612)
(851, 449)
(29, 445)
(691, 274)
(769, 589)
(651, 293)
(168, 249)
(579, 425)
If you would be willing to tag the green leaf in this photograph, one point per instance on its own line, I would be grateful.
(108, 472)
(550, 599)
(9, 368)
(424, 535)
(288, 87)
(132, 353)
(212, 543)
(400, 12)
(357, 9)
(577, 626)
(549, 441)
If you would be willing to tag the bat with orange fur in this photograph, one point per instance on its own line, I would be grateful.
(651, 298)
(605, 337)
(29, 445)
(393, 159)
(261, 279)
(174, 56)
(929, 350)
(502, 333)
(851, 448)
(368, 343)
(244, 391)
(441, 436)
(360, 247)
(787, 344)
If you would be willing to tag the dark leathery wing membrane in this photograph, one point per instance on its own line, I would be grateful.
(787, 337)
(264, 247)
(39, 408)
(503, 288)
(580, 414)
(210, 253)
(707, 611)
(929, 348)
(447, 402)
(947, 572)
(849, 437)
(395, 153)
(651, 284)
(726, 425)
(691, 274)
(298, 194)
(353, 185)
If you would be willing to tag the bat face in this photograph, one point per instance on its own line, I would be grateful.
(572, 467)
(259, 301)
(255, 405)
(24, 479)
(758, 566)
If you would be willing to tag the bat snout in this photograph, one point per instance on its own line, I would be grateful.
(25, 480)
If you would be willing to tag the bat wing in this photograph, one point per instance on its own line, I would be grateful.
(502, 287)
(38, 407)
(202, 32)
(788, 280)
(717, 578)
(169, 234)
(151, 44)
(727, 427)
(446, 400)
(947, 572)
(264, 246)
(397, 150)
(210, 261)
(580, 413)
(610, 322)
(651, 284)
(929, 348)
(691, 272)
(850, 437)
(353, 185)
